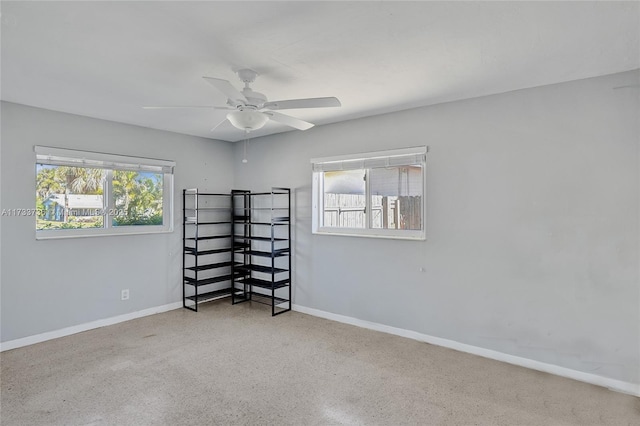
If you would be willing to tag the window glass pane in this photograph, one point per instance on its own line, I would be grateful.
(396, 197)
(137, 197)
(69, 197)
(344, 199)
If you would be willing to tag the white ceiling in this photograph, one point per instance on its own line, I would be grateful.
(108, 59)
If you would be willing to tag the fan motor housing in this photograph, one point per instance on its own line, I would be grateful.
(254, 98)
(247, 75)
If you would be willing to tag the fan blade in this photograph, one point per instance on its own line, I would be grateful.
(288, 120)
(227, 89)
(303, 103)
(188, 106)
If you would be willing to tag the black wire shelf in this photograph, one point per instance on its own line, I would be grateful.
(274, 223)
(261, 268)
(253, 194)
(261, 208)
(211, 266)
(192, 222)
(275, 253)
(263, 283)
(249, 237)
(208, 209)
(207, 281)
(267, 299)
(192, 251)
(211, 295)
(194, 191)
(209, 237)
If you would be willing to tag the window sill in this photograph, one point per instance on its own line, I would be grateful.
(370, 233)
(73, 233)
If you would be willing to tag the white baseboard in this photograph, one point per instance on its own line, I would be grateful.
(30, 340)
(613, 384)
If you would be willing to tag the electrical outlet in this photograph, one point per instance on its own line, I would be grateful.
(124, 294)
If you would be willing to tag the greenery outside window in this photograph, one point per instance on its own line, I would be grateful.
(80, 194)
(376, 194)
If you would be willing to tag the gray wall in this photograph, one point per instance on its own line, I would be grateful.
(532, 224)
(51, 284)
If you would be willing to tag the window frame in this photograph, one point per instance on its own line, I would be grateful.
(110, 162)
(317, 201)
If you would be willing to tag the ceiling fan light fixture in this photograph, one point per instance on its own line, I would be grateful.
(247, 120)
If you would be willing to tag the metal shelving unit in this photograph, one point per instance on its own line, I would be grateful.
(206, 236)
(261, 248)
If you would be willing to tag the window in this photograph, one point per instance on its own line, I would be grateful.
(377, 194)
(80, 194)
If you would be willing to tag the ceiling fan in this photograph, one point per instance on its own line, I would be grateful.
(251, 110)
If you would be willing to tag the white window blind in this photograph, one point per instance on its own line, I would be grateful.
(394, 158)
(73, 158)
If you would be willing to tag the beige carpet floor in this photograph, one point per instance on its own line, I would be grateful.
(228, 365)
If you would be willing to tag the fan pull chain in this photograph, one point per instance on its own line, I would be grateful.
(244, 158)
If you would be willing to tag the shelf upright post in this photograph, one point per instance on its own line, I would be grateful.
(195, 242)
(184, 244)
(273, 264)
(289, 241)
(239, 204)
(248, 259)
(233, 249)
